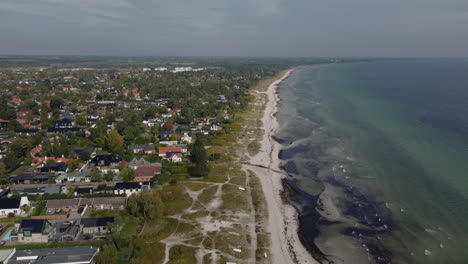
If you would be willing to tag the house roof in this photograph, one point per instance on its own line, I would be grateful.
(106, 159)
(10, 203)
(33, 225)
(137, 162)
(114, 201)
(97, 221)
(83, 254)
(35, 176)
(84, 190)
(147, 171)
(164, 150)
(127, 185)
(53, 189)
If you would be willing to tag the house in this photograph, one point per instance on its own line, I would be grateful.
(13, 206)
(139, 162)
(147, 149)
(33, 231)
(174, 156)
(75, 176)
(62, 129)
(34, 177)
(36, 150)
(83, 191)
(6, 254)
(64, 123)
(27, 191)
(105, 160)
(129, 188)
(183, 147)
(65, 255)
(55, 167)
(111, 203)
(26, 131)
(163, 150)
(97, 225)
(146, 173)
(186, 139)
(91, 118)
(4, 124)
(16, 101)
(79, 152)
(53, 189)
(215, 127)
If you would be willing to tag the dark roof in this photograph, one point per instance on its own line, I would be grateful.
(25, 130)
(84, 190)
(33, 225)
(10, 203)
(32, 176)
(105, 159)
(127, 185)
(54, 166)
(95, 222)
(79, 151)
(64, 129)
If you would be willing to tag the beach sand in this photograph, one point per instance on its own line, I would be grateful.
(282, 217)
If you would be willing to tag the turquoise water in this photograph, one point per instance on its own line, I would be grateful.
(400, 130)
(7, 236)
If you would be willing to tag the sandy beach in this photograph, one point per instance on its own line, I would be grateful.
(282, 218)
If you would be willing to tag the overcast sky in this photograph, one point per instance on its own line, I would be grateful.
(235, 27)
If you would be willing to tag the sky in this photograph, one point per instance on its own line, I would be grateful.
(393, 28)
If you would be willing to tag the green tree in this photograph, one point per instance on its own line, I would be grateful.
(200, 158)
(96, 176)
(107, 255)
(114, 141)
(109, 175)
(3, 173)
(81, 120)
(146, 204)
(127, 174)
(11, 161)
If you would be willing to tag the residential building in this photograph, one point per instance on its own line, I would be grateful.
(129, 188)
(111, 203)
(146, 173)
(65, 255)
(34, 177)
(105, 160)
(59, 167)
(13, 206)
(33, 231)
(83, 191)
(97, 225)
(75, 176)
(163, 150)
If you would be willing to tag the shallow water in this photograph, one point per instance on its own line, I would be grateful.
(394, 136)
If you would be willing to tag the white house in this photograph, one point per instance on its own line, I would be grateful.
(13, 206)
(186, 138)
(129, 188)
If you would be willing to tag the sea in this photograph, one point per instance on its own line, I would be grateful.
(392, 137)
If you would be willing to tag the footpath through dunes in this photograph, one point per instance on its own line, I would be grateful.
(222, 218)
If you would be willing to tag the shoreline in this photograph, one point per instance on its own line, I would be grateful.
(286, 246)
